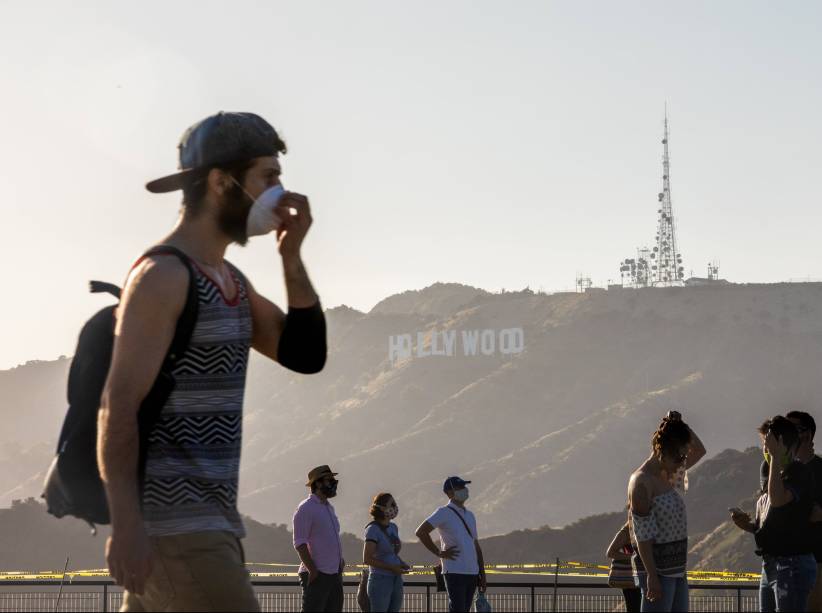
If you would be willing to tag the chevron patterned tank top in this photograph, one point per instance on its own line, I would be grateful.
(193, 461)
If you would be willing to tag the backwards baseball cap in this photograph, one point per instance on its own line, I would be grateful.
(454, 483)
(216, 140)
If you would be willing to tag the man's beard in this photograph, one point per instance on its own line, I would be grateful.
(232, 216)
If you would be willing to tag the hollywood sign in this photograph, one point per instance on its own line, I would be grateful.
(509, 341)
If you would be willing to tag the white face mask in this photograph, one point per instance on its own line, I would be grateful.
(262, 218)
(461, 495)
(390, 512)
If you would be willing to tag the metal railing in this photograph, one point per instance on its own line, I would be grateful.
(285, 595)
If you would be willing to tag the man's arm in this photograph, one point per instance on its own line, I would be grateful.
(301, 529)
(424, 534)
(290, 237)
(483, 584)
(268, 320)
(152, 301)
(308, 561)
(777, 492)
(296, 340)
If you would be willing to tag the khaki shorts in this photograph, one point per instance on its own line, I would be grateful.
(201, 571)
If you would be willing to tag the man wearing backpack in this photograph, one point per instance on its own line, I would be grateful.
(462, 563)
(175, 541)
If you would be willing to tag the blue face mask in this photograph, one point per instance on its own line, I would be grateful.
(461, 495)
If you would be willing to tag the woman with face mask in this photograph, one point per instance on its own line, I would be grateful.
(657, 517)
(381, 555)
(781, 526)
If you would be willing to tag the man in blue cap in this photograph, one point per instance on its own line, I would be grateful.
(463, 567)
(175, 540)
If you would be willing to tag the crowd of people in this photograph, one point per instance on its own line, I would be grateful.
(649, 552)
(316, 532)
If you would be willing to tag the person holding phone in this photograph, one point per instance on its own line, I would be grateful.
(781, 525)
(381, 553)
(658, 517)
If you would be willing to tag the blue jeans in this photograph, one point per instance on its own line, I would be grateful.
(460, 590)
(786, 582)
(674, 595)
(384, 592)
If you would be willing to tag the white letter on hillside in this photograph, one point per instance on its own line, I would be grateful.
(399, 347)
(450, 340)
(488, 342)
(421, 353)
(435, 346)
(469, 342)
(511, 341)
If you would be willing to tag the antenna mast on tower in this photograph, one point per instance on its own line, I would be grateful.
(667, 266)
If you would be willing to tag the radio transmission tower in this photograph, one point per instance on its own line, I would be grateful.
(666, 268)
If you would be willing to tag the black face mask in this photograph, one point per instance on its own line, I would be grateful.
(329, 490)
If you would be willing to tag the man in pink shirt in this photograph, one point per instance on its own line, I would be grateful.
(317, 541)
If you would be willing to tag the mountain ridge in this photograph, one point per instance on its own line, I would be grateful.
(572, 412)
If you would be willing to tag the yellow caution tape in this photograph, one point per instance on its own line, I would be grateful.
(539, 569)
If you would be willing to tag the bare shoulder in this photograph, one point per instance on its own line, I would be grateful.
(638, 478)
(159, 273)
(640, 488)
(160, 281)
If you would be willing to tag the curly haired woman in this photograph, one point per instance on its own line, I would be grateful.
(659, 524)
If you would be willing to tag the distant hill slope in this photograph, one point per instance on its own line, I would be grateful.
(438, 300)
(547, 436)
(32, 540)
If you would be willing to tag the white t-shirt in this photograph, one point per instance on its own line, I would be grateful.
(453, 532)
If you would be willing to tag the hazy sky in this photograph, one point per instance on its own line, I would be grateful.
(487, 143)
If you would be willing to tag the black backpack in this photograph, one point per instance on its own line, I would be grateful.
(73, 485)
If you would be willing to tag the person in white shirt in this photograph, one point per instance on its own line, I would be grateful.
(462, 563)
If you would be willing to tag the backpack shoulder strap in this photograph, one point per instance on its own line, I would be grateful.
(464, 523)
(188, 318)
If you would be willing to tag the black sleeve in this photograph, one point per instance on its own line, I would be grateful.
(816, 474)
(303, 346)
(798, 479)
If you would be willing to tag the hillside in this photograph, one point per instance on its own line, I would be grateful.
(32, 540)
(548, 430)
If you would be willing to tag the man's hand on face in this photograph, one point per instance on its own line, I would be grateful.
(128, 555)
(292, 232)
(774, 446)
